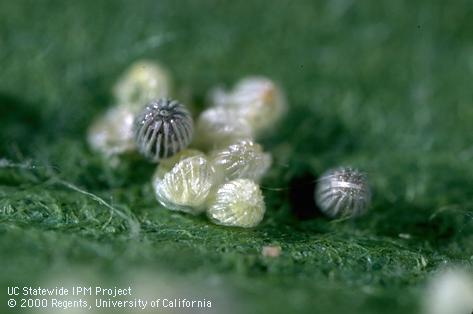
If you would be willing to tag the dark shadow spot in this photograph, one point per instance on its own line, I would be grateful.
(301, 196)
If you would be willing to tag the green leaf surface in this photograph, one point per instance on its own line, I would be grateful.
(383, 86)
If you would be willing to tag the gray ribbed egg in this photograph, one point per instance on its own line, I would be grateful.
(238, 203)
(343, 192)
(162, 129)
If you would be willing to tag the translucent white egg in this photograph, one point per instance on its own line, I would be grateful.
(238, 203)
(187, 186)
(257, 99)
(142, 82)
(449, 292)
(219, 127)
(166, 165)
(112, 133)
(243, 160)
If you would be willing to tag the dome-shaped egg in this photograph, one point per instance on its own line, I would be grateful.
(237, 203)
(257, 99)
(112, 133)
(187, 186)
(343, 192)
(142, 82)
(162, 129)
(166, 165)
(219, 127)
(244, 159)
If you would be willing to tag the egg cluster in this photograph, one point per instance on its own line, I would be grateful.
(247, 111)
(112, 133)
(221, 177)
(216, 168)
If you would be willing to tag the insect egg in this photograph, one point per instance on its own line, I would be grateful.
(187, 186)
(237, 203)
(142, 82)
(163, 129)
(257, 99)
(449, 291)
(219, 127)
(343, 192)
(242, 160)
(112, 133)
(166, 165)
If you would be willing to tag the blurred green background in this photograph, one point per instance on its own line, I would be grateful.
(381, 85)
